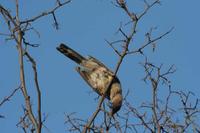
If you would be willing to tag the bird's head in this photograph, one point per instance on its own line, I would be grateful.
(116, 103)
(116, 97)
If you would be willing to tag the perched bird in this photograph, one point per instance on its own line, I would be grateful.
(97, 75)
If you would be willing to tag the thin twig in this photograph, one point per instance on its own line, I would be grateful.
(39, 112)
(10, 96)
(45, 13)
(150, 42)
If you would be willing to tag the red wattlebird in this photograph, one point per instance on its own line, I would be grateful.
(97, 75)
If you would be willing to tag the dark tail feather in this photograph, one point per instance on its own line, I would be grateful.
(70, 53)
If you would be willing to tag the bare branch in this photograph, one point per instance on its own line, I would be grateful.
(17, 31)
(148, 7)
(126, 44)
(6, 99)
(150, 41)
(52, 11)
(39, 125)
(111, 45)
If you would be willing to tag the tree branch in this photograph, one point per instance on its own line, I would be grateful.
(52, 11)
(10, 96)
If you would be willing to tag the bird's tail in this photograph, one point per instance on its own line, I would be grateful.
(70, 53)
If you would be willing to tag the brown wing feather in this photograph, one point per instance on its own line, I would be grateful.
(92, 59)
(86, 77)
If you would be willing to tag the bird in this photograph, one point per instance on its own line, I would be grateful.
(97, 76)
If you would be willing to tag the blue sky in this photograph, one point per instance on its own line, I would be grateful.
(84, 26)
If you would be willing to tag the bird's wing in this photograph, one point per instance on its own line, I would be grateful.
(85, 75)
(100, 64)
